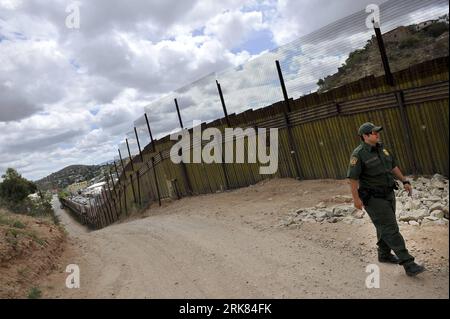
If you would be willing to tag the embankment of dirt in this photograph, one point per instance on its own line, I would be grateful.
(29, 249)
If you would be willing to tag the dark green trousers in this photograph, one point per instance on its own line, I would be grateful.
(382, 213)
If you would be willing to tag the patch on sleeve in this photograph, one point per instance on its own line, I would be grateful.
(386, 152)
(353, 161)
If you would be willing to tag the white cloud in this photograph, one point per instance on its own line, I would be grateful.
(10, 4)
(297, 18)
(232, 27)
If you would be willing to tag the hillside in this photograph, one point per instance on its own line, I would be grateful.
(405, 46)
(71, 174)
(29, 250)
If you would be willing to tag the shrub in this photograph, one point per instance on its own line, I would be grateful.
(14, 187)
(436, 29)
(35, 293)
(18, 224)
(409, 43)
(14, 191)
(63, 194)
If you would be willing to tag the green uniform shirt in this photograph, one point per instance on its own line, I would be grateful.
(372, 166)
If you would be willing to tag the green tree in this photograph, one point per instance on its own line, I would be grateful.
(321, 82)
(14, 187)
(436, 29)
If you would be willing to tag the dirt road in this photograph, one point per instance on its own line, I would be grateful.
(231, 245)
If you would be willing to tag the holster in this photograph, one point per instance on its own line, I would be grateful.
(377, 192)
(364, 194)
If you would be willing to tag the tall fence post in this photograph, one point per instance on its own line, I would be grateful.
(138, 188)
(407, 132)
(292, 147)
(119, 199)
(156, 180)
(111, 197)
(97, 215)
(124, 173)
(132, 188)
(99, 211)
(178, 112)
(132, 168)
(137, 171)
(93, 213)
(112, 183)
(384, 58)
(283, 85)
(222, 101)
(117, 185)
(117, 172)
(139, 144)
(125, 183)
(107, 194)
(150, 133)
(106, 206)
(225, 112)
(153, 159)
(125, 198)
(90, 214)
(183, 164)
(129, 155)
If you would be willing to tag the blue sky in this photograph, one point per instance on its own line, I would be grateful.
(258, 42)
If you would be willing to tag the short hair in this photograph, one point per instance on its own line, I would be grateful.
(362, 136)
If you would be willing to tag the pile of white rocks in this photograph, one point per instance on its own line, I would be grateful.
(428, 205)
(332, 214)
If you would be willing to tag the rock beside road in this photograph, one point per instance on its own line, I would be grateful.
(331, 214)
(412, 215)
(428, 205)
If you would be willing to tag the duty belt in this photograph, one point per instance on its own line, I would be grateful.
(379, 191)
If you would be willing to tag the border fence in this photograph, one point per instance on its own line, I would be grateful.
(316, 131)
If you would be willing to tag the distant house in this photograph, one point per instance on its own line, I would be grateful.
(94, 189)
(444, 18)
(424, 24)
(75, 187)
(33, 196)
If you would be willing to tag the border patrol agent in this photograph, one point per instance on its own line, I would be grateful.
(373, 167)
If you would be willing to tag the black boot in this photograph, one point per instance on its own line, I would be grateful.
(391, 259)
(413, 269)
